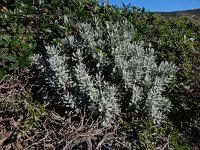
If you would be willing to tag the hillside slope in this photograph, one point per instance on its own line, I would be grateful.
(194, 13)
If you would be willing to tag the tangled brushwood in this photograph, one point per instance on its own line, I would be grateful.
(84, 71)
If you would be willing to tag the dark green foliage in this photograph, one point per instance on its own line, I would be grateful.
(14, 52)
(145, 135)
(28, 25)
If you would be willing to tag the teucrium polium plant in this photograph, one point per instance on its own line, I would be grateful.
(75, 72)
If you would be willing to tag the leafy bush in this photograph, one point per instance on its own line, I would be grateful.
(29, 25)
(75, 72)
(146, 135)
(16, 46)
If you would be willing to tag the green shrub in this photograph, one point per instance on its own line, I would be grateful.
(29, 25)
(148, 136)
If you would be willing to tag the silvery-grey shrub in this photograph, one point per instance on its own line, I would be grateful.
(74, 70)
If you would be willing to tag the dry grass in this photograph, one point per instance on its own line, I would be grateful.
(52, 131)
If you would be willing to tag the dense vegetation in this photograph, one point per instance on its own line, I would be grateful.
(28, 27)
